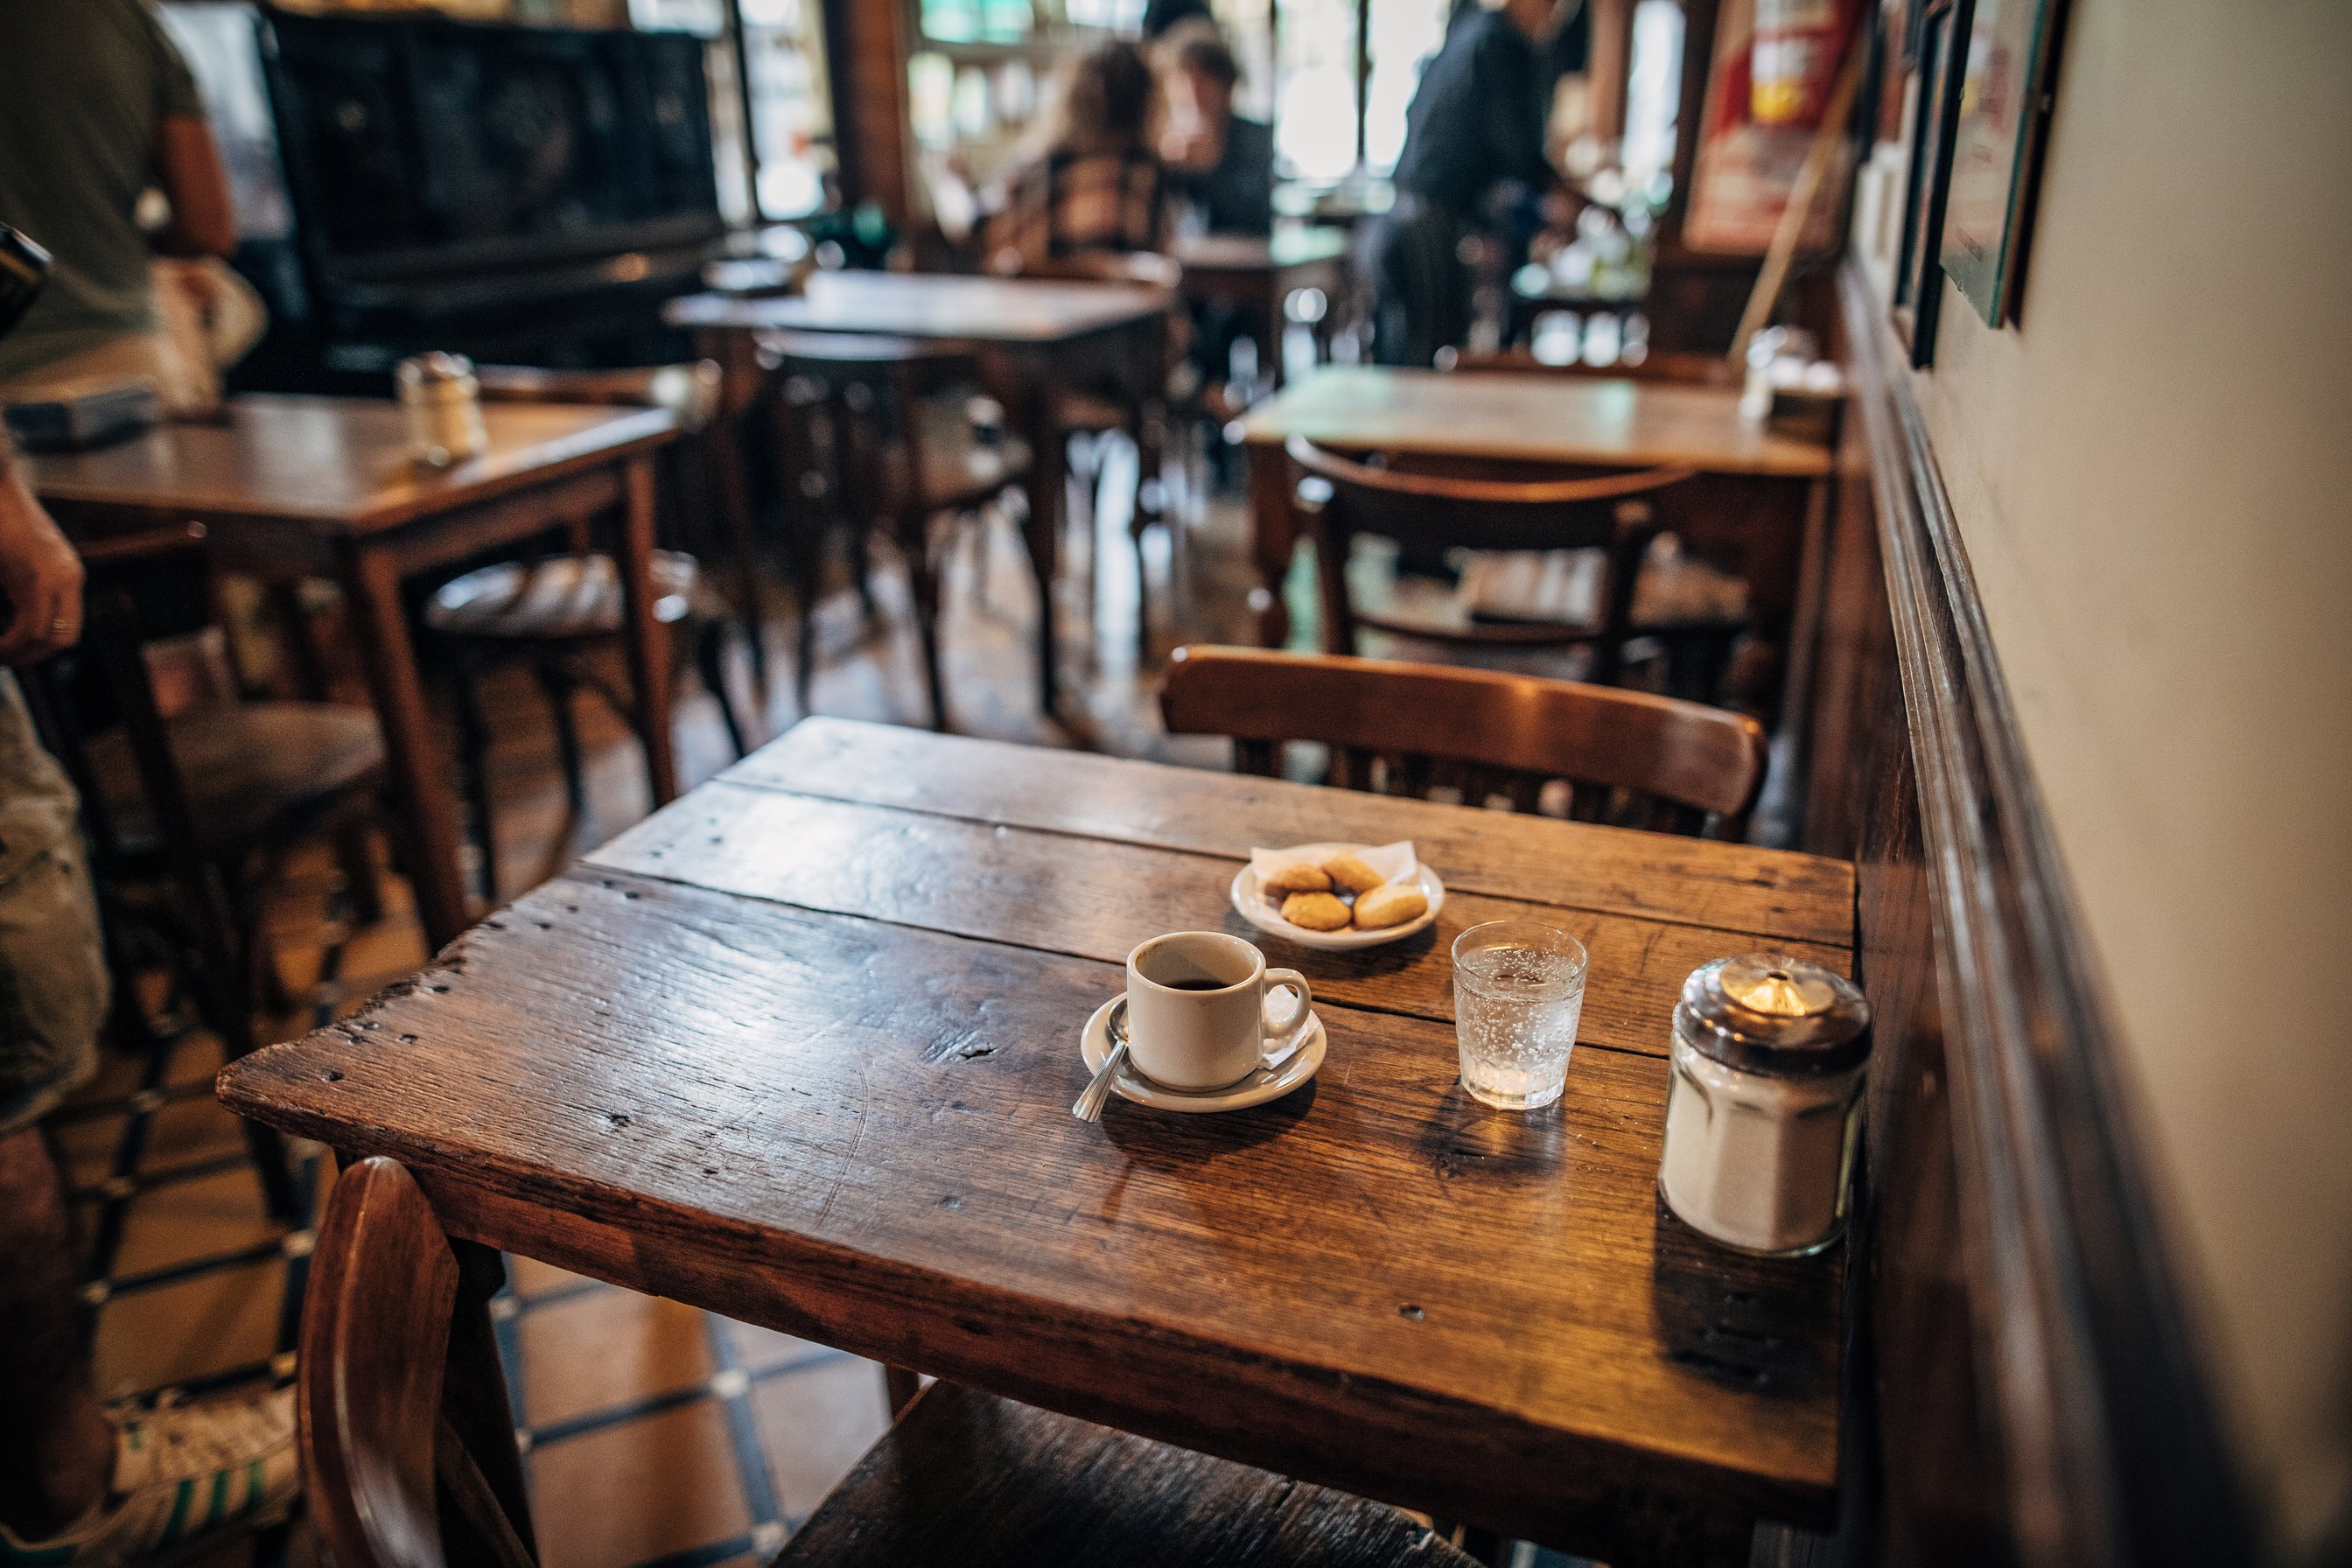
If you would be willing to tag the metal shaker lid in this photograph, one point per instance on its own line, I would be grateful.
(1773, 1013)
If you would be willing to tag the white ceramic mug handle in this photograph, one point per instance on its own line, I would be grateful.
(1297, 982)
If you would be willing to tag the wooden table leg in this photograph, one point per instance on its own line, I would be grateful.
(649, 643)
(1032, 415)
(1273, 540)
(474, 1392)
(427, 812)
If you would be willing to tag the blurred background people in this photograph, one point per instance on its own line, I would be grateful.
(1220, 165)
(1097, 187)
(1473, 168)
(98, 109)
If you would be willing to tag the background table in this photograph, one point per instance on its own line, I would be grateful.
(800, 1050)
(295, 487)
(1758, 493)
(1264, 273)
(1032, 335)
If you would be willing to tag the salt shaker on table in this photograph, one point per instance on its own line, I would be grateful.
(443, 400)
(1764, 1102)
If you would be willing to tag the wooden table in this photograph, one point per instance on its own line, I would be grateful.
(296, 487)
(1758, 497)
(1033, 336)
(801, 1048)
(1261, 274)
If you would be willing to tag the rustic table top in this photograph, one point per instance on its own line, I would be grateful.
(800, 1049)
(338, 465)
(1286, 247)
(933, 305)
(1540, 418)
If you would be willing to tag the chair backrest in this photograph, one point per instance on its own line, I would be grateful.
(846, 403)
(1669, 365)
(1408, 729)
(1434, 511)
(381, 1467)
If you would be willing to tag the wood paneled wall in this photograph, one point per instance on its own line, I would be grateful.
(2025, 1390)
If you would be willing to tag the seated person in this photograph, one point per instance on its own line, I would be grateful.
(1097, 187)
(1221, 166)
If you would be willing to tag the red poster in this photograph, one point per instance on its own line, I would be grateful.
(1772, 74)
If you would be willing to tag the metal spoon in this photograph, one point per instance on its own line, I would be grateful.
(1089, 1106)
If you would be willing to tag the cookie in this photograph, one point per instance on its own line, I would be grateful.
(1315, 911)
(1346, 871)
(1300, 878)
(1393, 906)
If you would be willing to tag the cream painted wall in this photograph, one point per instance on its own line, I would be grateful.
(2152, 476)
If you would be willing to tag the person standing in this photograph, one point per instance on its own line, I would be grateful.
(1474, 144)
(97, 109)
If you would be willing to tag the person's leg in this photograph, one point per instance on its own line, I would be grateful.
(56, 1460)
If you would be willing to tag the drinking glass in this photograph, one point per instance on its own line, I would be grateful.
(1518, 988)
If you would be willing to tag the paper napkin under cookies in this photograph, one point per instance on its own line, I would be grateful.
(1394, 862)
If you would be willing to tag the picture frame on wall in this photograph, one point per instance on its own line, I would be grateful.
(2006, 98)
(1943, 32)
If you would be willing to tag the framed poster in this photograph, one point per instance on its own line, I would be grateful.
(1917, 273)
(1750, 147)
(2005, 100)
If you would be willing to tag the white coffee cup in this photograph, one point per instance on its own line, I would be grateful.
(1196, 1008)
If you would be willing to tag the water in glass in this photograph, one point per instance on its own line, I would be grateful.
(1518, 988)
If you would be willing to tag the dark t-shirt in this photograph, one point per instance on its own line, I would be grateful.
(1477, 118)
(82, 83)
(1237, 195)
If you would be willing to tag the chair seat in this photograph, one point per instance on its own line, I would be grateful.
(1545, 597)
(563, 597)
(968, 1480)
(252, 772)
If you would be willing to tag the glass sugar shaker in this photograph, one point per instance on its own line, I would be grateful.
(1764, 1104)
(443, 400)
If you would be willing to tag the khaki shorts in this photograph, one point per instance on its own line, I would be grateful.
(52, 964)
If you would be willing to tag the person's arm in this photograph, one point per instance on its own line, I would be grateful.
(188, 167)
(40, 575)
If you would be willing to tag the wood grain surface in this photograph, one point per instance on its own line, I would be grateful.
(339, 464)
(933, 305)
(816, 1075)
(1761, 893)
(1530, 418)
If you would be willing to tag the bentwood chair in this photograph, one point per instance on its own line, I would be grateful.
(963, 1480)
(1427, 513)
(873, 433)
(556, 613)
(1626, 757)
(195, 798)
(1133, 400)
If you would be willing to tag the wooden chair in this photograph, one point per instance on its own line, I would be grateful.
(963, 1478)
(1405, 729)
(201, 792)
(553, 613)
(1134, 400)
(1428, 512)
(861, 445)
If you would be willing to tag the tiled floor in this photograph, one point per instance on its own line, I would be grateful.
(655, 1436)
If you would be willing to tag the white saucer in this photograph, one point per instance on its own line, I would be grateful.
(1251, 906)
(1094, 1045)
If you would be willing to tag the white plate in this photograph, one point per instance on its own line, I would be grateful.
(1252, 906)
(1094, 1045)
